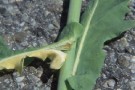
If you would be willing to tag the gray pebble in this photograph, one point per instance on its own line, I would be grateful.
(21, 85)
(124, 60)
(24, 44)
(50, 26)
(119, 89)
(35, 78)
(20, 79)
(132, 85)
(109, 83)
(133, 59)
(6, 81)
(5, 1)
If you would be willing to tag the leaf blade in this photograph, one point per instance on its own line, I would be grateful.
(103, 26)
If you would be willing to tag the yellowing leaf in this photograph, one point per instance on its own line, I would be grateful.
(17, 61)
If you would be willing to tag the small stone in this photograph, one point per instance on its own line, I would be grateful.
(56, 24)
(25, 17)
(98, 89)
(25, 43)
(133, 77)
(133, 59)
(104, 76)
(5, 1)
(132, 67)
(15, 74)
(2, 10)
(51, 26)
(12, 1)
(47, 87)
(126, 80)
(124, 42)
(22, 24)
(6, 81)
(33, 22)
(109, 83)
(129, 49)
(39, 84)
(132, 85)
(53, 36)
(39, 72)
(35, 78)
(47, 13)
(34, 44)
(124, 60)
(21, 85)
(119, 89)
(18, 0)
(19, 79)
(132, 32)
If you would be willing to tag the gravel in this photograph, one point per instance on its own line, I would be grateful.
(29, 23)
(24, 24)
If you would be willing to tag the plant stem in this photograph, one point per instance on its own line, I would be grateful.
(74, 11)
(66, 70)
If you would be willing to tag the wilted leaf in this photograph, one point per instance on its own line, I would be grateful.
(103, 20)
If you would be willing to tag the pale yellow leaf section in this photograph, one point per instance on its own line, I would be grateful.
(16, 62)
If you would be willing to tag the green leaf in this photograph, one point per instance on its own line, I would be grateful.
(103, 20)
(76, 31)
(15, 59)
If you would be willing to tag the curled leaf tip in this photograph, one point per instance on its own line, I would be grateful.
(58, 57)
(17, 62)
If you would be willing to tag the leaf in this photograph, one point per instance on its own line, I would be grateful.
(74, 32)
(102, 21)
(54, 52)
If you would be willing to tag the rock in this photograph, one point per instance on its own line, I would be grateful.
(39, 84)
(119, 89)
(2, 10)
(98, 89)
(39, 71)
(19, 79)
(51, 26)
(133, 59)
(24, 44)
(110, 83)
(129, 49)
(7, 81)
(123, 60)
(132, 76)
(21, 85)
(34, 78)
(5, 1)
(132, 85)
(124, 42)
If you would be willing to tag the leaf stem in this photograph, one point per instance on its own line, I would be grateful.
(66, 70)
(74, 11)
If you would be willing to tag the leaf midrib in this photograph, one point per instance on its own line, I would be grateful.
(86, 29)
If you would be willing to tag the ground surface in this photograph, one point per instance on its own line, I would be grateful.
(33, 23)
(24, 24)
